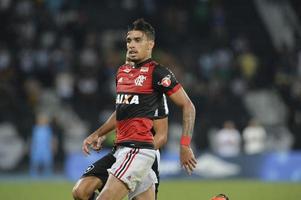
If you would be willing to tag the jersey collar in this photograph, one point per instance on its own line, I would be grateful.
(143, 63)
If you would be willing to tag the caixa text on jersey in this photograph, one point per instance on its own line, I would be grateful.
(127, 99)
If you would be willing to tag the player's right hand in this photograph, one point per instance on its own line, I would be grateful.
(98, 146)
(91, 140)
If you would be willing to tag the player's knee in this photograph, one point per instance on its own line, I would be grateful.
(76, 193)
(80, 193)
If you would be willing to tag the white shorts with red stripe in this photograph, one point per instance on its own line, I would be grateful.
(133, 167)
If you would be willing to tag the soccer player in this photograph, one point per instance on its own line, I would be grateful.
(96, 174)
(139, 91)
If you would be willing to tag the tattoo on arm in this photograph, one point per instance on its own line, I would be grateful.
(188, 120)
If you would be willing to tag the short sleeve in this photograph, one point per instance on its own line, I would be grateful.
(165, 81)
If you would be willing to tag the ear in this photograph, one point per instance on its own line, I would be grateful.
(151, 44)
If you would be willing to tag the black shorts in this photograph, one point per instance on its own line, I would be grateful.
(155, 167)
(99, 169)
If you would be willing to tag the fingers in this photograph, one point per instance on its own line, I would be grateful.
(193, 163)
(189, 167)
(189, 162)
(100, 140)
(94, 142)
(97, 146)
(85, 148)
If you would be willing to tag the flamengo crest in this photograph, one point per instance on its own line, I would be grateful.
(139, 80)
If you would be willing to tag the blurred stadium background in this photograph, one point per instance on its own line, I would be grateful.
(240, 62)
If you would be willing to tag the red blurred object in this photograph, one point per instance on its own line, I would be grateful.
(220, 197)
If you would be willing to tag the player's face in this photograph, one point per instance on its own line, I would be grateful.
(139, 47)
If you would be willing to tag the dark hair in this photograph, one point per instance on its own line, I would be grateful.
(142, 25)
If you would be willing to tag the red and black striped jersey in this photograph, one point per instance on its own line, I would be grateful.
(140, 90)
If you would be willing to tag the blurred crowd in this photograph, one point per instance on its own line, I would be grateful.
(58, 59)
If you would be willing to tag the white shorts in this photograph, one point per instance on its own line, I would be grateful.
(133, 167)
(148, 181)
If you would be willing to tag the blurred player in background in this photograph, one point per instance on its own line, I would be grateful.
(43, 144)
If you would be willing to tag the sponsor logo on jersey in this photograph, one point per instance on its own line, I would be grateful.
(139, 80)
(120, 80)
(127, 99)
(127, 70)
(144, 69)
(165, 81)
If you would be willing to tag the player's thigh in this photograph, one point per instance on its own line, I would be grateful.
(149, 194)
(114, 189)
(87, 184)
(132, 165)
(143, 186)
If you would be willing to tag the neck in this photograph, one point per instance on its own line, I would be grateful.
(141, 62)
(144, 59)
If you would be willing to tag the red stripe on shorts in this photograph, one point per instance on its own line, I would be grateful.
(126, 158)
(134, 155)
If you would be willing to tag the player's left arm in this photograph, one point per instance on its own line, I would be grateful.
(181, 99)
(161, 129)
(165, 81)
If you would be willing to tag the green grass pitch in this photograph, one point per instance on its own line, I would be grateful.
(169, 190)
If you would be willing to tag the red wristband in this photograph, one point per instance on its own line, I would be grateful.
(185, 140)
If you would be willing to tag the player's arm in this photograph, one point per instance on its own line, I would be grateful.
(181, 99)
(161, 129)
(96, 138)
(165, 81)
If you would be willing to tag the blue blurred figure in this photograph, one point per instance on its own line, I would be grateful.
(41, 155)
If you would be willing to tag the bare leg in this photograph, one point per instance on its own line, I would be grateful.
(85, 187)
(114, 189)
(149, 194)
